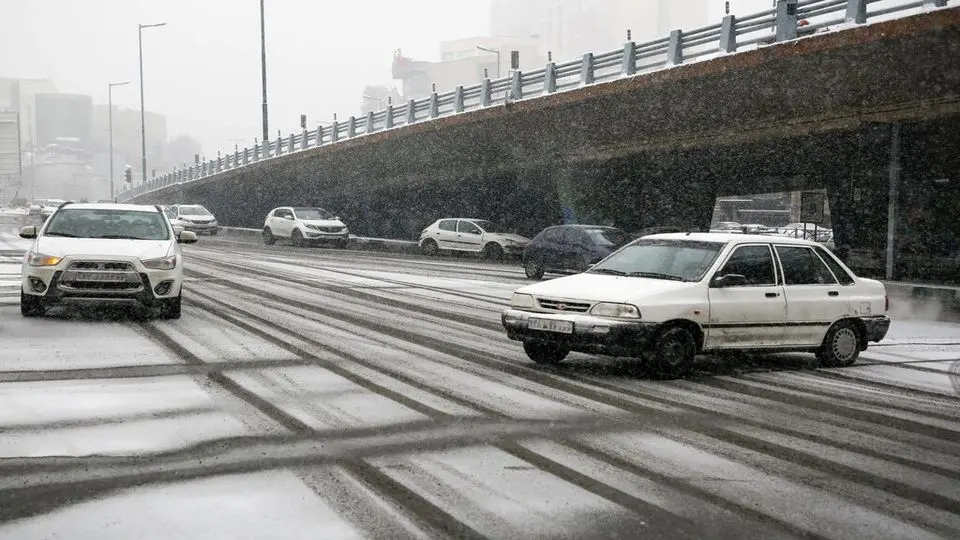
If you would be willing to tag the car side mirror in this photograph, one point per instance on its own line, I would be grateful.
(729, 280)
(177, 229)
(28, 231)
(187, 237)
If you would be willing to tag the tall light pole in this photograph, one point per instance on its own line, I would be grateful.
(493, 51)
(110, 116)
(143, 120)
(263, 73)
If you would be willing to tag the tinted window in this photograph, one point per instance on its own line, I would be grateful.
(838, 271)
(662, 259)
(108, 223)
(801, 266)
(573, 236)
(312, 213)
(554, 235)
(607, 237)
(469, 228)
(448, 225)
(752, 262)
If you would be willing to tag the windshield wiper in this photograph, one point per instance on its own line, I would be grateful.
(119, 237)
(609, 271)
(655, 275)
(63, 234)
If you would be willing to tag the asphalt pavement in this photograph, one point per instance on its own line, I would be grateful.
(320, 393)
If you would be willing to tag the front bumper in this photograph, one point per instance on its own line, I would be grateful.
(59, 286)
(199, 228)
(876, 327)
(341, 236)
(590, 334)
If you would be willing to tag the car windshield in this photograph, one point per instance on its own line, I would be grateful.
(607, 237)
(312, 213)
(490, 227)
(678, 260)
(107, 223)
(169, 214)
(194, 210)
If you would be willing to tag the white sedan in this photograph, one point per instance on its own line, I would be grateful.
(103, 254)
(672, 296)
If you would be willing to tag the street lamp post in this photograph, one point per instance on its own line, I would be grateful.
(492, 51)
(110, 121)
(263, 73)
(143, 120)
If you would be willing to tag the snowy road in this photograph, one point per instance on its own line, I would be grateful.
(328, 394)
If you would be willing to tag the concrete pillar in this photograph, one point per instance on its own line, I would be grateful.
(629, 66)
(550, 78)
(675, 48)
(586, 69)
(728, 34)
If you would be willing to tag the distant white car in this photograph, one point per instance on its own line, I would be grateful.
(49, 206)
(302, 224)
(195, 218)
(671, 296)
(103, 254)
(177, 224)
(471, 235)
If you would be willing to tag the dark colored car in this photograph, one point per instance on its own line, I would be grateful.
(569, 249)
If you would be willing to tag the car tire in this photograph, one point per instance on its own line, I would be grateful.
(31, 306)
(170, 308)
(296, 238)
(533, 268)
(268, 238)
(841, 345)
(545, 353)
(493, 252)
(429, 247)
(673, 353)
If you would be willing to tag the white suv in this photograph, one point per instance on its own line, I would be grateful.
(301, 224)
(672, 296)
(104, 254)
(195, 218)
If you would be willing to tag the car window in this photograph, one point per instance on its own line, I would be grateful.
(469, 228)
(312, 213)
(554, 234)
(573, 236)
(194, 210)
(448, 225)
(755, 263)
(680, 260)
(607, 237)
(842, 275)
(801, 266)
(106, 223)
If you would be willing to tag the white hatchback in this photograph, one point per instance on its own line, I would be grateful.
(471, 235)
(671, 296)
(104, 254)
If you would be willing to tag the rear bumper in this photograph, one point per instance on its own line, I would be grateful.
(876, 327)
(590, 334)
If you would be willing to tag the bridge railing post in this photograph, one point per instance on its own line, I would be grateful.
(305, 140)
(411, 112)
(728, 34)
(857, 11)
(434, 105)
(388, 121)
(352, 127)
(586, 69)
(934, 3)
(629, 64)
(786, 20)
(550, 78)
(516, 86)
(371, 126)
(485, 93)
(675, 48)
(291, 146)
(458, 99)
(334, 129)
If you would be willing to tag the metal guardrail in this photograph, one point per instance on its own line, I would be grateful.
(789, 20)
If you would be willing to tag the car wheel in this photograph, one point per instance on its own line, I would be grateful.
(31, 306)
(533, 268)
(545, 353)
(429, 247)
(297, 238)
(268, 238)
(493, 251)
(673, 353)
(170, 308)
(841, 346)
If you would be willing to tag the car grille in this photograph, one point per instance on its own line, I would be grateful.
(563, 306)
(199, 221)
(108, 266)
(332, 229)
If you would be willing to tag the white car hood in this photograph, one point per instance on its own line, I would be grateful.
(507, 236)
(604, 288)
(323, 222)
(97, 247)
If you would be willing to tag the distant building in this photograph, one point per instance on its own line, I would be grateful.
(65, 119)
(20, 95)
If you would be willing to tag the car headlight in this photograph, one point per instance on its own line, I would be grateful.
(162, 263)
(616, 311)
(39, 259)
(521, 300)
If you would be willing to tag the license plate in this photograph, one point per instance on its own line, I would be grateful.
(100, 276)
(551, 325)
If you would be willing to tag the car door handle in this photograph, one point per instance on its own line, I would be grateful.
(772, 294)
(833, 293)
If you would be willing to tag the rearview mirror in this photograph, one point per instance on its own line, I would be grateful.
(187, 237)
(29, 231)
(729, 280)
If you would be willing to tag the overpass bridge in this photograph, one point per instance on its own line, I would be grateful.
(650, 135)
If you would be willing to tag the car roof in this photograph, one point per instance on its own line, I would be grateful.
(113, 206)
(733, 238)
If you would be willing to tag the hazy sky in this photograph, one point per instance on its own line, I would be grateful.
(203, 69)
